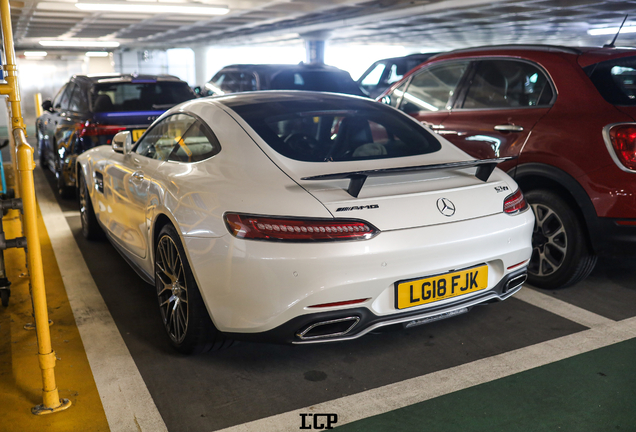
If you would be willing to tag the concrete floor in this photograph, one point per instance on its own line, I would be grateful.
(276, 387)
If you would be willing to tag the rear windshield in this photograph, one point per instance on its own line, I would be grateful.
(333, 131)
(615, 80)
(130, 96)
(334, 82)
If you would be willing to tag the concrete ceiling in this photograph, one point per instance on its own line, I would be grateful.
(445, 24)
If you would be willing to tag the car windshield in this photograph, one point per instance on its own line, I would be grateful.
(336, 130)
(615, 79)
(327, 81)
(131, 96)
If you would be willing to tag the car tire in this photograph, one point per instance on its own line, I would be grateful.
(185, 317)
(91, 230)
(561, 254)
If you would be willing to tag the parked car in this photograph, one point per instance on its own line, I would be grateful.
(89, 110)
(382, 73)
(303, 217)
(568, 116)
(310, 76)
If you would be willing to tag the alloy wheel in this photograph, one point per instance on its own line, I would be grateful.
(172, 290)
(549, 242)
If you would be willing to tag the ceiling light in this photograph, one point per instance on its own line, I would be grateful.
(611, 30)
(97, 54)
(153, 8)
(79, 43)
(35, 53)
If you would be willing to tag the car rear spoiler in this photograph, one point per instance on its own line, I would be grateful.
(485, 167)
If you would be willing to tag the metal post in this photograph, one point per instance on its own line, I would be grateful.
(25, 165)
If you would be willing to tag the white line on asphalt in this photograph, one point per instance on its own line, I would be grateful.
(561, 308)
(125, 397)
(398, 395)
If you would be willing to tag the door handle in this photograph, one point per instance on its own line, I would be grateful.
(137, 176)
(509, 128)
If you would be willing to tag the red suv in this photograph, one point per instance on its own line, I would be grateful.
(569, 115)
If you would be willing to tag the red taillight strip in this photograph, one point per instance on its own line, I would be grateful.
(515, 203)
(94, 130)
(342, 303)
(517, 265)
(300, 229)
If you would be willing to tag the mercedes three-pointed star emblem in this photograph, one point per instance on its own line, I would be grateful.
(446, 207)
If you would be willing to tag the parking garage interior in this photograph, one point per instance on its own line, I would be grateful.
(542, 360)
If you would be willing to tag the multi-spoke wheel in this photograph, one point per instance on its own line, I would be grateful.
(90, 227)
(183, 312)
(561, 255)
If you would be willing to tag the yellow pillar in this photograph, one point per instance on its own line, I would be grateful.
(38, 104)
(23, 164)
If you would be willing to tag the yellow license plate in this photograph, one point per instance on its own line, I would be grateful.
(137, 133)
(435, 288)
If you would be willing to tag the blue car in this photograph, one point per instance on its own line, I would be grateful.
(89, 110)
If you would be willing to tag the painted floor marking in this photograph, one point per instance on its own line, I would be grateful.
(561, 308)
(125, 397)
(398, 395)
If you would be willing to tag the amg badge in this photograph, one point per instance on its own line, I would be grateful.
(366, 207)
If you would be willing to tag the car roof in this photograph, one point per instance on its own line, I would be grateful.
(253, 97)
(586, 55)
(114, 78)
(274, 68)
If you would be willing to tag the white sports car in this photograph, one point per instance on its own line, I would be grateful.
(303, 217)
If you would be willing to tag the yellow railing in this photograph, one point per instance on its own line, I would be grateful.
(23, 165)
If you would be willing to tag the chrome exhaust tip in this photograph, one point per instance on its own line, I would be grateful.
(328, 329)
(515, 282)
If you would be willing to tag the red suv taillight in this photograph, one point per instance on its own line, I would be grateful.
(515, 203)
(307, 230)
(622, 142)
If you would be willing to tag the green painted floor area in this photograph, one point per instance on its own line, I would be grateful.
(591, 392)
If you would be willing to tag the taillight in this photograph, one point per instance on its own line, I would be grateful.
(515, 203)
(622, 141)
(288, 229)
(94, 130)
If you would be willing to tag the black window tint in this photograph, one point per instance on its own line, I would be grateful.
(78, 100)
(508, 84)
(231, 82)
(615, 79)
(313, 80)
(159, 142)
(66, 96)
(139, 96)
(432, 88)
(58, 97)
(326, 131)
(197, 144)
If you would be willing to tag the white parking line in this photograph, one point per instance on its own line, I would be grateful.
(561, 308)
(398, 395)
(125, 397)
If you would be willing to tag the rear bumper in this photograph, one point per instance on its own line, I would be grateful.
(356, 322)
(256, 286)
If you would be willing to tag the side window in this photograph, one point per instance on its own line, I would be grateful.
(432, 88)
(372, 79)
(508, 84)
(197, 144)
(160, 141)
(58, 97)
(394, 75)
(66, 96)
(395, 96)
(78, 100)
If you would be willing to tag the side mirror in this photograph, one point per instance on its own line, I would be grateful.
(122, 142)
(47, 105)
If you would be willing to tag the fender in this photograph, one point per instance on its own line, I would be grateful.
(547, 174)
